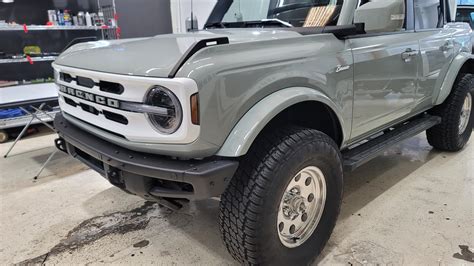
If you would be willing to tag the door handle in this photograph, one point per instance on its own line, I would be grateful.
(408, 54)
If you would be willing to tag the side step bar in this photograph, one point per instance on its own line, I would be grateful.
(365, 152)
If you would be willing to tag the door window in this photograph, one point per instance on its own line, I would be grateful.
(429, 14)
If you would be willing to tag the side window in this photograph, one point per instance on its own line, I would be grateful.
(382, 16)
(429, 14)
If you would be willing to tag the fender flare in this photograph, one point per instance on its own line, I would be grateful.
(448, 82)
(252, 123)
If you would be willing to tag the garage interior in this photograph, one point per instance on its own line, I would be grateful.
(411, 205)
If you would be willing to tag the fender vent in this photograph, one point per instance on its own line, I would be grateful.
(196, 48)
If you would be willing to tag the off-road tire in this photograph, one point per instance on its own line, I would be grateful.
(445, 136)
(249, 206)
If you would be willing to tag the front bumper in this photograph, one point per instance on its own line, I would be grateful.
(146, 175)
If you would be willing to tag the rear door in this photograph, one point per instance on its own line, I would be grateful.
(385, 70)
(436, 48)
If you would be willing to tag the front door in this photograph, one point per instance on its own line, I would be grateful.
(385, 73)
(385, 66)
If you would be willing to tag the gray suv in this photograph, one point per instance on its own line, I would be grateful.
(266, 108)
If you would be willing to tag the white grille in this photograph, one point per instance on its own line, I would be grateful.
(139, 128)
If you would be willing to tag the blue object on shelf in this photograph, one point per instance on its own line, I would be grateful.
(9, 113)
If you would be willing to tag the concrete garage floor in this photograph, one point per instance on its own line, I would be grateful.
(410, 206)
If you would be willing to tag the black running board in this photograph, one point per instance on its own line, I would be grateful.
(357, 156)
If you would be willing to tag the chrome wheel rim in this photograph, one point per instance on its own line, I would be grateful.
(301, 207)
(465, 113)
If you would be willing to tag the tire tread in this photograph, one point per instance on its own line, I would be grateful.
(445, 136)
(242, 201)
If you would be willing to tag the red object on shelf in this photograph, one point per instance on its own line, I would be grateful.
(118, 31)
(104, 27)
(29, 60)
(49, 23)
(25, 28)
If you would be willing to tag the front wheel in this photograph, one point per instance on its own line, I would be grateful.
(282, 205)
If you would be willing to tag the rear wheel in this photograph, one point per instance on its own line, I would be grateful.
(282, 204)
(457, 117)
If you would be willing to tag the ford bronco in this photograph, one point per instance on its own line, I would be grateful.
(266, 108)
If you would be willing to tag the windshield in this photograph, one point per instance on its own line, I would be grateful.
(297, 13)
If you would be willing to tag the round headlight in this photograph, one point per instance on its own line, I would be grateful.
(164, 98)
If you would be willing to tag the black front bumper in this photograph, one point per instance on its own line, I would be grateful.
(146, 175)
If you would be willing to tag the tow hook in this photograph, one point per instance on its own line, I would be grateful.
(60, 144)
(115, 177)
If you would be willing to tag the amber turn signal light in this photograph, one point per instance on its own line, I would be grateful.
(195, 109)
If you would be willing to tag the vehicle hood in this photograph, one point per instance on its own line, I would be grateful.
(154, 56)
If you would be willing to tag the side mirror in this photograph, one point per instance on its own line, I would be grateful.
(381, 15)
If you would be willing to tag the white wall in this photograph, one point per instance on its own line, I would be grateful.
(181, 9)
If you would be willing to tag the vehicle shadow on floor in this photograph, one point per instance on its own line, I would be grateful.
(379, 175)
(361, 186)
(204, 228)
(196, 222)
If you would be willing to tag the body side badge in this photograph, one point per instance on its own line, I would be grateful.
(340, 68)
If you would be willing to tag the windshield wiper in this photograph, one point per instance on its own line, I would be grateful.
(215, 25)
(247, 24)
(284, 23)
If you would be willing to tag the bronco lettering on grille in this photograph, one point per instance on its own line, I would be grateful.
(90, 97)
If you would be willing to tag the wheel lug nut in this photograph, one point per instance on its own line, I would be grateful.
(281, 226)
(304, 217)
(292, 229)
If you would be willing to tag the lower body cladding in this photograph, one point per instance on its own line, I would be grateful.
(150, 176)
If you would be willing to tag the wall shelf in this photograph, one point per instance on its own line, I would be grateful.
(48, 40)
(41, 27)
(24, 60)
